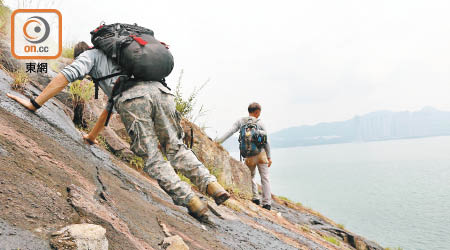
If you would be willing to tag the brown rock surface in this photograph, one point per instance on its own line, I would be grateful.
(50, 179)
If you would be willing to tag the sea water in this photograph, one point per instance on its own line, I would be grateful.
(396, 193)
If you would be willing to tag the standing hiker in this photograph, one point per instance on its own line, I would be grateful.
(146, 107)
(255, 149)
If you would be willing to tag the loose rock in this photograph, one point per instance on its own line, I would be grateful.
(80, 237)
(174, 243)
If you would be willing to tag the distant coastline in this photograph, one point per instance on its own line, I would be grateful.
(375, 126)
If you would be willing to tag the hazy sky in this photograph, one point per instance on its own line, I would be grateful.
(304, 61)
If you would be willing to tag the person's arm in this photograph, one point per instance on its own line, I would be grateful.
(230, 132)
(78, 69)
(91, 137)
(267, 149)
(267, 146)
(54, 87)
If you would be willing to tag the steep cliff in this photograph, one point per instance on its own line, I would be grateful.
(50, 179)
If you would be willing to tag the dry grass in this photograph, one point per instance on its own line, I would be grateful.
(20, 79)
(232, 204)
(304, 228)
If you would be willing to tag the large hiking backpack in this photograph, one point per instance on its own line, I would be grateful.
(251, 139)
(136, 50)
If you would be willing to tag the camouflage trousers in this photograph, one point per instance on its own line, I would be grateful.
(148, 112)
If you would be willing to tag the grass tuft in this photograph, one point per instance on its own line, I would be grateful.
(231, 204)
(81, 91)
(332, 240)
(20, 79)
(67, 52)
(137, 162)
(289, 203)
(304, 228)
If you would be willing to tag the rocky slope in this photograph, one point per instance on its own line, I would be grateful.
(50, 179)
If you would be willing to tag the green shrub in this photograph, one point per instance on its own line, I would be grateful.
(81, 91)
(186, 106)
(341, 226)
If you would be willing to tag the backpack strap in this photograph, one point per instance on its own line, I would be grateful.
(117, 89)
(192, 138)
(163, 82)
(97, 80)
(250, 121)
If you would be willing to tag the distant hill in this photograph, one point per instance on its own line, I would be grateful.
(375, 126)
(380, 125)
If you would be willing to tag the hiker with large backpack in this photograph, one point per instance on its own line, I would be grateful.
(255, 149)
(129, 65)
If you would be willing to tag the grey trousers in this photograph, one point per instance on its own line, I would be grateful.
(149, 115)
(261, 162)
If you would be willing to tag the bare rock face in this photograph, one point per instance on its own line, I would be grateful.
(174, 243)
(229, 171)
(6, 60)
(3, 152)
(117, 145)
(80, 237)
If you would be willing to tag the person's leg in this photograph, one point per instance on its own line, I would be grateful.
(185, 161)
(170, 132)
(263, 168)
(264, 173)
(136, 114)
(251, 164)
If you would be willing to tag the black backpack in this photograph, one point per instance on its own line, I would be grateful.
(136, 50)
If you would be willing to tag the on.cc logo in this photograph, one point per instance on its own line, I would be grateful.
(36, 29)
(36, 33)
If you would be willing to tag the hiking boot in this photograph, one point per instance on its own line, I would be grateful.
(197, 208)
(256, 201)
(267, 206)
(216, 191)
